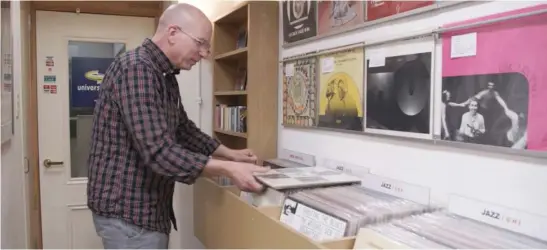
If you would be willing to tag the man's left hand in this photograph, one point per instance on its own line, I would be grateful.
(243, 155)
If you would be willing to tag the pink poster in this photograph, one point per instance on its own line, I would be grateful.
(494, 89)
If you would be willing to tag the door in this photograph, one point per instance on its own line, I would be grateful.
(72, 54)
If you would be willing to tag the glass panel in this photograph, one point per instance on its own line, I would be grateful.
(87, 63)
(6, 72)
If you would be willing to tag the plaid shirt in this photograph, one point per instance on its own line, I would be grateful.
(142, 141)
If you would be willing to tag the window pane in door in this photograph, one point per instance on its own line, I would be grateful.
(87, 63)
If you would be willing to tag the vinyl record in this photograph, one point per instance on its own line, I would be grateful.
(412, 82)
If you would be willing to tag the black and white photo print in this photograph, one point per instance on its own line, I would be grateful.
(485, 109)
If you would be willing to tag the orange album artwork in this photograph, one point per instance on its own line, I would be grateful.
(335, 15)
(380, 9)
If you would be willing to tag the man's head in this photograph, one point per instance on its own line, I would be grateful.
(184, 35)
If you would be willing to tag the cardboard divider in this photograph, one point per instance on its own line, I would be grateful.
(223, 220)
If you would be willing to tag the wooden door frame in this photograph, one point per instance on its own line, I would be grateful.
(118, 8)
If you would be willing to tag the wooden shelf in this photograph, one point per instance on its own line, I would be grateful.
(228, 93)
(232, 133)
(235, 55)
(254, 69)
(224, 220)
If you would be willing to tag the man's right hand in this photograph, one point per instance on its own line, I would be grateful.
(242, 174)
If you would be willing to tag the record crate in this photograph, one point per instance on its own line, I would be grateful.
(223, 220)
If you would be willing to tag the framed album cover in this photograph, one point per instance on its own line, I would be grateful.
(380, 9)
(339, 15)
(299, 20)
(494, 87)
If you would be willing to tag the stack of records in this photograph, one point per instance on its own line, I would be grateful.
(304, 177)
(281, 182)
(336, 212)
(445, 230)
(283, 163)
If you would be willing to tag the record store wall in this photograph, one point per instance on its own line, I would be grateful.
(478, 172)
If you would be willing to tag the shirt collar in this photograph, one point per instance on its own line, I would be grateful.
(159, 58)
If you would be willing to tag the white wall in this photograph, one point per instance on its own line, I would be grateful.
(13, 181)
(506, 180)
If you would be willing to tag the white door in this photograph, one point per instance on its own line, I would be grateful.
(73, 51)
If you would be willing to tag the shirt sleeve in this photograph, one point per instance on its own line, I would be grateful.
(146, 120)
(193, 138)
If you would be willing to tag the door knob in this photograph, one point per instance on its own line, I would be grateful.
(48, 163)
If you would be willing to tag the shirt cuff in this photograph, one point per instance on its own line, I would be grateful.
(211, 147)
(193, 175)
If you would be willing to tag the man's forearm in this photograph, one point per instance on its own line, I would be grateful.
(223, 152)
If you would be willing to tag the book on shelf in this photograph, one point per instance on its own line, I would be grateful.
(231, 118)
(241, 38)
(241, 77)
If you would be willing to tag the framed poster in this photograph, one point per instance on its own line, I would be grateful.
(341, 90)
(299, 20)
(399, 89)
(299, 92)
(494, 88)
(380, 9)
(338, 15)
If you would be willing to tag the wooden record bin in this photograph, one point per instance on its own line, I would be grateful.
(245, 77)
(222, 220)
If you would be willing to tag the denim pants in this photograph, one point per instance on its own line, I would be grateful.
(118, 234)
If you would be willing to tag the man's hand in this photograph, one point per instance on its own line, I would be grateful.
(243, 155)
(242, 174)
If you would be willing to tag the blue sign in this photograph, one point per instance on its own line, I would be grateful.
(87, 75)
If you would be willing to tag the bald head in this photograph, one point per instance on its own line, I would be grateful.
(183, 34)
(183, 15)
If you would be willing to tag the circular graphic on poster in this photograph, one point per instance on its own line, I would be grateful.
(341, 96)
(298, 92)
(298, 9)
(412, 82)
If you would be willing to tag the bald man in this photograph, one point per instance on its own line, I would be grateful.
(143, 141)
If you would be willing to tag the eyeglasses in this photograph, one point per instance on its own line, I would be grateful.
(204, 46)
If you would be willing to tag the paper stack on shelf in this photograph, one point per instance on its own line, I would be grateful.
(445, 230)
(336, 212)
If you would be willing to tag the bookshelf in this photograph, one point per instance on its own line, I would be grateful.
(245, 77)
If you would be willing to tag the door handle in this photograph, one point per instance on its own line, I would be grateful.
(48, 163)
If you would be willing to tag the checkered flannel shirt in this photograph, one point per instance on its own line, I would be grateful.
(142, 141)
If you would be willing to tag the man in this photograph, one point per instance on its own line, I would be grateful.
(143, 141)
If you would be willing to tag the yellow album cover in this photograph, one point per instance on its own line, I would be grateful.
(341, 89)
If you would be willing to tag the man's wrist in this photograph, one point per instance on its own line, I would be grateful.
(217, 167)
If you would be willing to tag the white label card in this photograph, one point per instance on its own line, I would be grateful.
(397, 188)
(289, 69)
(327, 65)
(306, 159)
(377, 59)
(345, 167)
(463, 45)
(499, 216)
(312, 223)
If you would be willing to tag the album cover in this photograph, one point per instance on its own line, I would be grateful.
(336, 15)
(305, 177)
(299, 20)
(399, 94)
(380, 9)
(299, 96)
(341, 90)
(494, 89)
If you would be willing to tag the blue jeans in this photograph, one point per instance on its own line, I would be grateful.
(118, 234)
